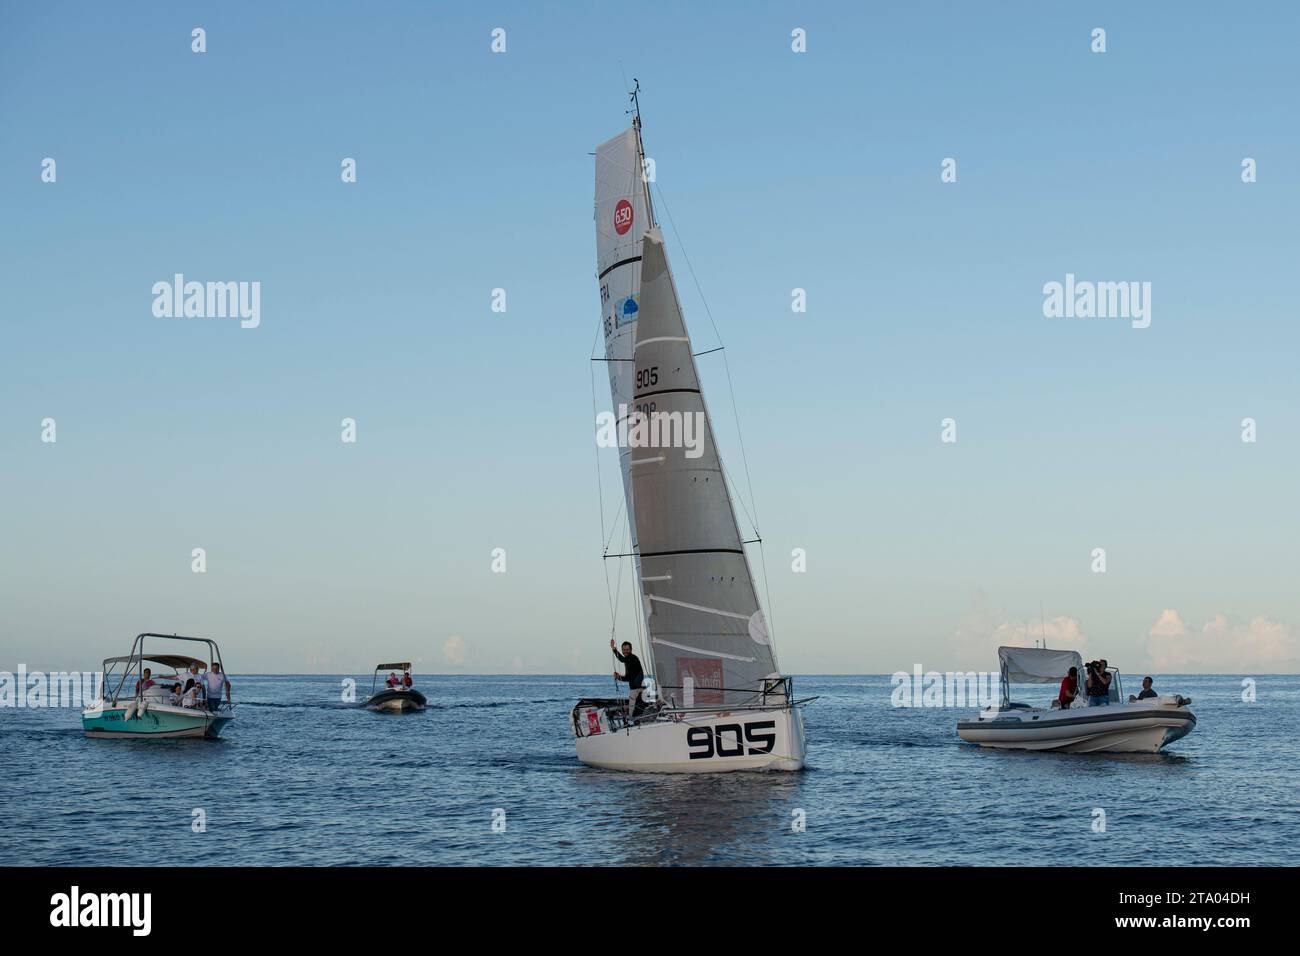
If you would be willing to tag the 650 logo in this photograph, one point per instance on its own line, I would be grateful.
(732, 740)
(622, 217)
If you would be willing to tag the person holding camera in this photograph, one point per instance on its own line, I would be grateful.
(1098, 684)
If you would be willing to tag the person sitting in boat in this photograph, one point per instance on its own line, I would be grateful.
(1069, 689)
(1147, 691)
(635, 677)
(174, 695)
(1098, 684)
(214, 683)
(392, 679)
(190, 696)
(406, 680)
(145, 682)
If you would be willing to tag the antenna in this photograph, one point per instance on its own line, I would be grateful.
(634, 95)
(1043, 616)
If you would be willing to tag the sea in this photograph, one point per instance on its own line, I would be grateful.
(487, 775)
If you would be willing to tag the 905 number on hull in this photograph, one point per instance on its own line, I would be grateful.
(731, 740)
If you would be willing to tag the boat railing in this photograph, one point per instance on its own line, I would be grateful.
(773, 692)
(116, 698)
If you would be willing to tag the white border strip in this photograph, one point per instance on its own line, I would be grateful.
(697, 650)
(700, 607)
(661, 338)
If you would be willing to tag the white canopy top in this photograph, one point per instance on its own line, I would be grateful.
(1037, 665)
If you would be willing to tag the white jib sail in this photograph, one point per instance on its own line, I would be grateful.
(706, 628)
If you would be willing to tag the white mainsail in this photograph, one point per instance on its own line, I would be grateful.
(622, 217)
(708, 637)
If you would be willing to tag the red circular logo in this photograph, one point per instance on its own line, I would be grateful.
(622, 216)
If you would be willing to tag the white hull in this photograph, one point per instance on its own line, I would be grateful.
(701, 743)
(1117, 728)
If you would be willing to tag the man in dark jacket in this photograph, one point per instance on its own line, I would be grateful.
(635, 676)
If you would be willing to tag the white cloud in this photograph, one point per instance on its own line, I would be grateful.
(984, 630)
(1222, 646)
(453, 650)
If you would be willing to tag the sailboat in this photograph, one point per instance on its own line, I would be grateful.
(719, 701)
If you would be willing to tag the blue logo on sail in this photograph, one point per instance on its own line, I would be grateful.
(625, 310)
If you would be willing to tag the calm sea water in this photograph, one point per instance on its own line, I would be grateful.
(301, 778)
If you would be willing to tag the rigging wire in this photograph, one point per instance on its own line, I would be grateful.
(612, 595)
(617, 520)
(600, 492)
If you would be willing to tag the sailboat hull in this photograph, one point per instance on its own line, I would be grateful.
(698, 743)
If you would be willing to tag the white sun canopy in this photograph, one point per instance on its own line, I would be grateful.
(1037, 665)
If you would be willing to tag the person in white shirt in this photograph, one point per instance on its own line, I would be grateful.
(215, 682)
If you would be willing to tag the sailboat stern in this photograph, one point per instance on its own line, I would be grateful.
(683, 742)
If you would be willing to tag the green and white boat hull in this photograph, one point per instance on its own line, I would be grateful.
(157, 720)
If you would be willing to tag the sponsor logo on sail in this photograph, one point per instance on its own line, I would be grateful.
(622, 217)
(625, 311)
(704, 677)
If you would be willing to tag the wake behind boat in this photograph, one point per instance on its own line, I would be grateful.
(138, 702)
(399, 694)
(720, 702)
(1136, 726)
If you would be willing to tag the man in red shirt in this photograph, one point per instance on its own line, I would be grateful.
(1069, 688)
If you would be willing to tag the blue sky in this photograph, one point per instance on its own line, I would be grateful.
(817, 170)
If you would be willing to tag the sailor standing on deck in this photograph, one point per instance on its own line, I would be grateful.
(635, 676)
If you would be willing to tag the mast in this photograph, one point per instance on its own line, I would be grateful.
(622, 217)
(635, 97)
(699, 610)
(643, 610)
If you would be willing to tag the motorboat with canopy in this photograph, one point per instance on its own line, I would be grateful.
(132, 705)
(395, 699)
(1119, 726)
(717, 698)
